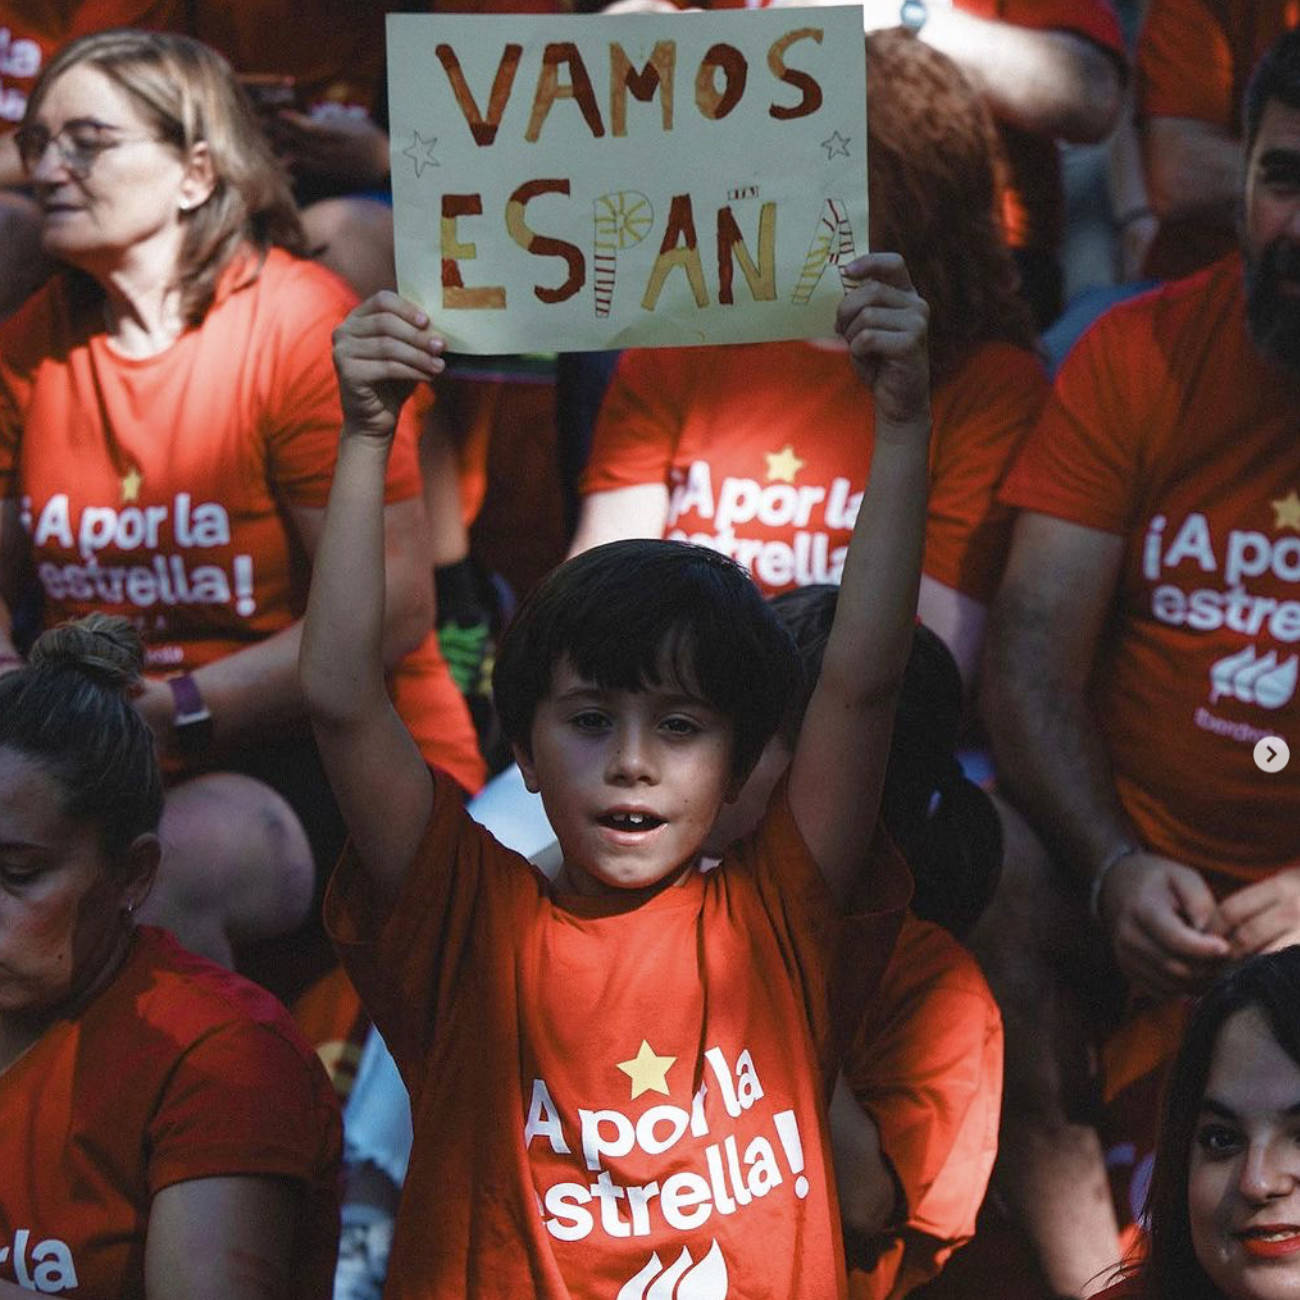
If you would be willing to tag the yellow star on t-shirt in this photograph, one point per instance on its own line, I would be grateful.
(782, 465)
(131, 481)
(1286, 511)
(648, 1072)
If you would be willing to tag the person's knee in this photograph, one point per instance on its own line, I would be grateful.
(234, 849)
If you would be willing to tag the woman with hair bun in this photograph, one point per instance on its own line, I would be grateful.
(168, 429)
(164, 1131)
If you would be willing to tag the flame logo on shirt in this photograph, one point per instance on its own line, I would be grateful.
(683, 1279)
(1253, 678)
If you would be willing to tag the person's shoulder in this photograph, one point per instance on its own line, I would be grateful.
(306, 279)
(927, 957)
(176, 998)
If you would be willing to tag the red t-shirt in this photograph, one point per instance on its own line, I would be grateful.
(926, 1064)
(608, 1100)
(765, 448)
(1194, 60)
(1167, 428)
(160, 489)
(177, 1070)
(32, 30)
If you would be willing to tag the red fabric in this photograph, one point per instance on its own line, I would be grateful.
(334, 49)
(188, 534)
(1126, 1289)
(926, 1064)
(32, 30)
(714, 424)
(1167, 428)
(177, 1070)
(510, 1011)
(1194, 60)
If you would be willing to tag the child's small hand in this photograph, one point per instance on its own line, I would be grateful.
(885, 322)
(381, 351)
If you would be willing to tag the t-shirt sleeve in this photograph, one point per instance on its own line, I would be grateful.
(1082, 462)
(457, 900)
(1095, 19)
(981, 417)
(640, 420)
(835, 961)
(927, 1066)
(304, 415)
(1185, 64)
(244, 1100)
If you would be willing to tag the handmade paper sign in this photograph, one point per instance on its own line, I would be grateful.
(577, 182)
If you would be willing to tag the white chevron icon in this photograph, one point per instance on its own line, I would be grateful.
(1254, 678)
(683, 1279)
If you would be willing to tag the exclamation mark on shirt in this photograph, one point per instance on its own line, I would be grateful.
(787, 1129)
(245, 605)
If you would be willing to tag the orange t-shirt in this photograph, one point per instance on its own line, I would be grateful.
(177, 1070)
(161, 488)
(765, 449)
(32, 30)
(1194, 60)
(926, 1064)
(1167, 428)
(610, 1102)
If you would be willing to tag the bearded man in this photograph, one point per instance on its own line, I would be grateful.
(1142, 668)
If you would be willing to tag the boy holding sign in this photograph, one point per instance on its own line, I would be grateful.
(618, 1082)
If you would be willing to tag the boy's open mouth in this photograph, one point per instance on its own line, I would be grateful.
(630, 821)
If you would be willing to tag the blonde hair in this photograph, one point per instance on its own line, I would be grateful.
(189, 94)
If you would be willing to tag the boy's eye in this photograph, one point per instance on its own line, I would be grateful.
(1217, 1140)
(14, 875)
(680, 726)
(588, 720)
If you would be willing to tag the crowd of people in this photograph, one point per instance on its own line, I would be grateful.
(758, 903)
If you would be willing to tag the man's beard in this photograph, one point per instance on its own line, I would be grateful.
(1273, 315)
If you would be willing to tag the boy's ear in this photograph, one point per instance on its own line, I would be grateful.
(525, 760)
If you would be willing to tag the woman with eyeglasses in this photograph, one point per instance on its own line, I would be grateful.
(168, 424)
(164, 1130)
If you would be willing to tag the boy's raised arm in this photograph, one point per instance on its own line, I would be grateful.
(381, 351)
(839, 762)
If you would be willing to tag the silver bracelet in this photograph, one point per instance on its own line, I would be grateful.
(1118, 854)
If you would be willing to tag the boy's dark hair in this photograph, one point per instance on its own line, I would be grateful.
(1277, 76)
(628, 614)
(945, 825)
(70, 710)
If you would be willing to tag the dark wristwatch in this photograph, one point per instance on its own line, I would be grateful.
(191, 721)
(912, 15)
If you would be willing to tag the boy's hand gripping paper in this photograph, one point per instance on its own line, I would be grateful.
(572, 183)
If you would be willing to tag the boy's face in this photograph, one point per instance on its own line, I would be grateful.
(631, 780)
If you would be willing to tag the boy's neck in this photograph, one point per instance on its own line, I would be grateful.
(575, 881)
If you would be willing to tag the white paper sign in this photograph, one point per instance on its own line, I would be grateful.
(564, 183)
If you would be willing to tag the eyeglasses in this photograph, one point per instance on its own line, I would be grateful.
(79, 143)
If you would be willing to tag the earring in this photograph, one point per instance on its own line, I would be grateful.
(184, 205)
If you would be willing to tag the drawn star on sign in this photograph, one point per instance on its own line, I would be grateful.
(420, 152)
(836, 146)
(1286, 511)
(131, 481)
(782, 465)
(648, 1072)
